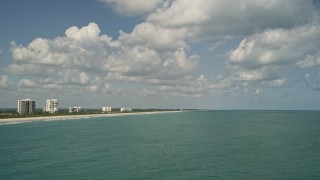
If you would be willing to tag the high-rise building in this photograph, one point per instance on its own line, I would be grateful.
(76, 109)
(26, 106)
(106, 109)
(125, 109)
(51, 105)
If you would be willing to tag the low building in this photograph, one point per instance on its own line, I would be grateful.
(26, 106)
(106, 109)
(76, 109)
(125, 109)
(51, 106)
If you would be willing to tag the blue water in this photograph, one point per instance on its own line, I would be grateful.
(187, 145)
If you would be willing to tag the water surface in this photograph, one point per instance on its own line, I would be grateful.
(188, 145)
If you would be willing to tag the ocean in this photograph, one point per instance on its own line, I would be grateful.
(183, 145)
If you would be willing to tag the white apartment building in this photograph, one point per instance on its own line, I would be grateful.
(76, 109)
(125, 109)
(106, 109)
(52, 105)
(26, 106)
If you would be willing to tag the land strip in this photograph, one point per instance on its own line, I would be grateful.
(66, 117)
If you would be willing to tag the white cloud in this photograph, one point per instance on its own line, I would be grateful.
(136, 7)
(251, 75)
(94, 88)
(100, 54)
(279, 82)
(52, 86)
(277, 46)
(30, 69)
(4, 82)
(181, 62)
(182, 13)
(207, 18)
(133, 61)
(240, 81)
(84, 48)
(158, 53)
(171, 23)
(85, 53)
(74, 77)
(26, 84)
(312, 80)
(310, 61)
(261, 74)
(90, 32)
(191, 87)
(155, 37)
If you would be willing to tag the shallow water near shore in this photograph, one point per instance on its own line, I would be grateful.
(188, 145)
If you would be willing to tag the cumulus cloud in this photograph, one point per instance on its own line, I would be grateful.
(158, 54)
(87, 33)
(191, 86)
(31, 70)
(101, 53)
(83, 47)
(75, 77)
(279, 82)
(155, 37)
(277, 46)
(251, 75)
(267, 57)
(84, 53)
(310, 61)
(4, 82)
(251, 81)
(26, 84)
(275, 34)
(133, 8)
(214, 18)
(203, 19)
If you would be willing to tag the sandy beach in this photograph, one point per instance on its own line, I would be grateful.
(57, 118)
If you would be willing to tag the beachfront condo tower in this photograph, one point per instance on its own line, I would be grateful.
(125, 109)
(26, 106)
(51, 106)
(106, 109)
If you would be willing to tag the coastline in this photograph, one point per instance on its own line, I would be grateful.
(70, 117)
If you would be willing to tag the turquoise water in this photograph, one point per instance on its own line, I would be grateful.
(187, 145)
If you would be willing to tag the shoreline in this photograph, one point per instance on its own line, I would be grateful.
(70, 117)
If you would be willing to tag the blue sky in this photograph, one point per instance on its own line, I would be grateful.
(161, 53)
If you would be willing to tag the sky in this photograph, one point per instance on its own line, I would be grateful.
(204, 54)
